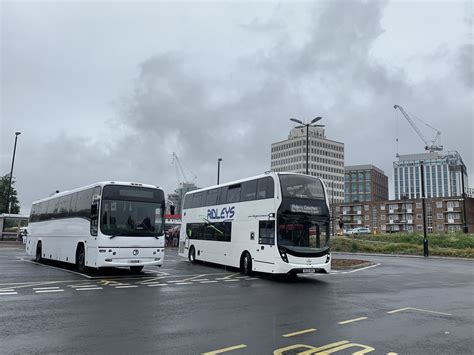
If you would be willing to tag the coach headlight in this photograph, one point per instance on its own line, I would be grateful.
(283, 254)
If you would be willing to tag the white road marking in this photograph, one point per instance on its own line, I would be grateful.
(417, 309)
(126, 286)
(208, 282)
(45, 288)
(184, 283)
(156, 285)
(361, 269)
(231, 280)
(88, 288)
(48, 291)
(8, 293)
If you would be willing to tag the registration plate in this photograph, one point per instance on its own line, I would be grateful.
(135, 261)
(307, 271)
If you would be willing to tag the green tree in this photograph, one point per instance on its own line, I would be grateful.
(4, 181)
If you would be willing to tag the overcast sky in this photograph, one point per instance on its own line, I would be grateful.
(109, 90)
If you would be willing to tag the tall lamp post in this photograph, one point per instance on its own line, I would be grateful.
(218, 169)
(464, 228)
(307, 125)
(7, 204)
(425, 240)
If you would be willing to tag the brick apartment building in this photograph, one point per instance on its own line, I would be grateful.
(443, 215)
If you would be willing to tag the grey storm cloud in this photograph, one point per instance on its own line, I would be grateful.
(172, 106)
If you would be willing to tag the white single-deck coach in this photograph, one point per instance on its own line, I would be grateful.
(274, 223)
(100, 225)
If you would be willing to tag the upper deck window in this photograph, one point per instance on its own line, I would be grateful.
(301, 186)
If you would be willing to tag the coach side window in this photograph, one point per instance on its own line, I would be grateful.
(249, 190)
(188, 201)
(42, 210)
(203, 199)
(72, 206)
(233, 194)
(33, 213)
(83, 205)
(197, 200)
(63, 209)
(211, 197)
(265, 188)
(223, 195)
(51, 209)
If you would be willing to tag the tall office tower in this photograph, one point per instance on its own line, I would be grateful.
(325, 158)
(365, 183)
(444, 175)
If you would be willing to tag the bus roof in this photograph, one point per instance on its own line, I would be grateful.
(101, 184)
(269, 173)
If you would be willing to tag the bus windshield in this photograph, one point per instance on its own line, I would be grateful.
(302, 232)
(301, 186)
(131, 212)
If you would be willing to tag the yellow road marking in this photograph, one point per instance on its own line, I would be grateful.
(417, 309)
(228, 277)
(224, 350)
(392, 353)
(309, 330)
(312, 349)
(365, 349)
(352, 320)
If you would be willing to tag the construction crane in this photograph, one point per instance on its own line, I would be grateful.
(432, 145)
(180, 174)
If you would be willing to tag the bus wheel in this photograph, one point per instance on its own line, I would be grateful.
(81, 258)
(136, 269)
(246, 264)
(192, 255)
(39, 251)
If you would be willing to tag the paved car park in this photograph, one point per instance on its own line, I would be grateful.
(397, 305)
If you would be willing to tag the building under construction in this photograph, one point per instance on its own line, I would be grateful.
(445, 175)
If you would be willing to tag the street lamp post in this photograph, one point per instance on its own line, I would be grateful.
(218, 169)
(464, 228)
(307, 125)
(425, 240)
(7, 202)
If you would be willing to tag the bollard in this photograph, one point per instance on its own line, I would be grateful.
(425, 247)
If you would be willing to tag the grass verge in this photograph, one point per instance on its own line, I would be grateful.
(456, 245)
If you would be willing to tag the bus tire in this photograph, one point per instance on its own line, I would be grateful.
(246, 264)
(136, 269)
(192, 255)
(81, 258)
(39, 251)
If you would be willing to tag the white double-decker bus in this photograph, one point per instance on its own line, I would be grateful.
(274, 223)
(107, 224)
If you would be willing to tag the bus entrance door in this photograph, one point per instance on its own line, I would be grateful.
(264, 258)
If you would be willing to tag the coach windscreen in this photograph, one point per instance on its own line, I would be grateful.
(132, 211)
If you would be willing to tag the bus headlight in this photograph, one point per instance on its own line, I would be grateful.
(283, 254)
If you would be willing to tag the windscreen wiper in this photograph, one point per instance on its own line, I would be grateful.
(117, 235)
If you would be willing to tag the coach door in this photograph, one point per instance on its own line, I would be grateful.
(264, 257)
(95, 211)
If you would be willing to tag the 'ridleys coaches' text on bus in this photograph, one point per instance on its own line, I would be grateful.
(274, 223)
(100, 225)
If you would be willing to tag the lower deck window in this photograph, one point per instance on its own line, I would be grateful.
(220, 231)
